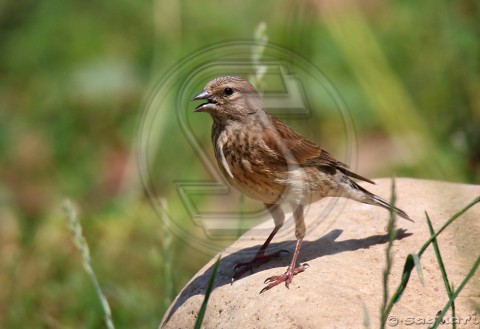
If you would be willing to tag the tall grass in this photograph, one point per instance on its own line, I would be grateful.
(386, 93)
(448, 288)
(392, 234)
(167, 250)
(208, 291)
(413, 260)
(82, 246)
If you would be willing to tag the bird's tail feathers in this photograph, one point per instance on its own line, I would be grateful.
(375, 200)
(382, 203)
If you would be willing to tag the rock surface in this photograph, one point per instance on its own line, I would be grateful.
(345, 248)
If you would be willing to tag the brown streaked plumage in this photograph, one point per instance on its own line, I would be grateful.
(268, 161)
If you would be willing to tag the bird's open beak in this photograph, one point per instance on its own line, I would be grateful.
(205, 107)
(202, 95)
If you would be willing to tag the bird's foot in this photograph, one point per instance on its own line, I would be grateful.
(287, 277)
(257, 261)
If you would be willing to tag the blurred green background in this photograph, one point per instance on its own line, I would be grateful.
(74, 80)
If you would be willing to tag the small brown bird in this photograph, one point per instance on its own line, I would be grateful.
(267, 161)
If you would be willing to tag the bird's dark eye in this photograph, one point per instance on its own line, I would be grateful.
(228, 91)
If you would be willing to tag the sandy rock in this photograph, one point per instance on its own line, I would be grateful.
(345, 248)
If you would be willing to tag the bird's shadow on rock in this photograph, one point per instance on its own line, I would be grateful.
(324, 246)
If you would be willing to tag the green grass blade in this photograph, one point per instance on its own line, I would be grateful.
(203, 308)
(410, 263)
(455, 294)
(366, 316)
(391, 237)
(82, 246)
(442, 268)
(167, 259)
(407, 270)
(418, 267)
(450, 221)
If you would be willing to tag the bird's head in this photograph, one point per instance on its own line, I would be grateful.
(229, 96)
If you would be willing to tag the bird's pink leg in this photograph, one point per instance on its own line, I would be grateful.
(292, 270)
(260, 258)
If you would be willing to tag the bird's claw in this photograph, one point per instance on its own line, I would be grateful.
(264, 289)
(287, 277)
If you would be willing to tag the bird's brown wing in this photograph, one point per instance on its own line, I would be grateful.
(291, 147)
